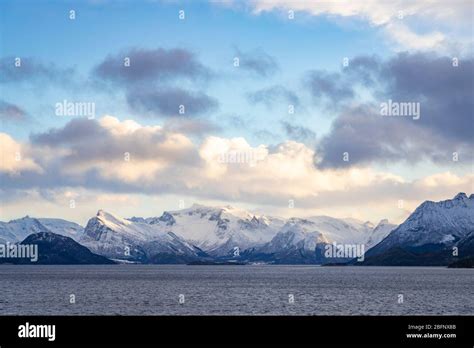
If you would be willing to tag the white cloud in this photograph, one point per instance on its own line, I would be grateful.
(168, 163)
(398, 18)
(15, 156)
(407, 39)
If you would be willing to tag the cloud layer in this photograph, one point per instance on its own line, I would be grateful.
(115, 156)
(153, 80)
(399, 19)
(442, 90)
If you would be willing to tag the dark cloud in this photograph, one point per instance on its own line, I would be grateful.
(274, 94)
(12, 113)
(158, 64)
(87, 153)
(445, 92)
(367, 136)
(166, 102)
(89, 140)
(446, 122)
(75, 131)
(32, 70)
(299, 133)
(328, 87)
(257, 61)
(153, 83)
(362, 70)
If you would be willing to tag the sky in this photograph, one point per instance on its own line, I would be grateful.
(137, 107)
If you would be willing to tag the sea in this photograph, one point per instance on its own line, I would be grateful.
(234, 290)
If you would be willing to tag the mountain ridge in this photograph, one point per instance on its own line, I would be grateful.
(205, 234)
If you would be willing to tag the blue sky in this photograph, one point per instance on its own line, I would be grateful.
(400, 50)
(44, 31)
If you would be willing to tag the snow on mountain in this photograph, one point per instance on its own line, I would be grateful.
(119, 238)
(218, 230)
(17, 230)
(200, 232)
(444, 222)
(106, 227)
(307, 234)
(63, 227)
(381, 231)
(347, 230)
(296, 233)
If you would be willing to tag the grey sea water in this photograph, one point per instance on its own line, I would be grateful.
(234, 290)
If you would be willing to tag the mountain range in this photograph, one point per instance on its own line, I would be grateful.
(436, 233)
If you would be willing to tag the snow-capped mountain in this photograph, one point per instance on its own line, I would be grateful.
(202, 232)
(380, 231)
(123, 239)
(219, 230)
(444, 222)
(216, 233)
(429, 233)
(63, 227)
(17, 230)
(298, 234)
(347, 230)
(296, 243)
(304, 240)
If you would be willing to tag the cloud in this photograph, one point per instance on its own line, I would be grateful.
(407, 39)
(328, 87)
(274, 94)
(12, 113)
(151, 64)
(15, 157)
(446, 118)
(399, 19)
(154, 81)
(257, 61)
(299, 133)
(367, 137)
(29, 69)
(443, 90)
(168, 102)
(88, 144)
(109, 156)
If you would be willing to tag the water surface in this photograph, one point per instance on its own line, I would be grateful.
(234, 290)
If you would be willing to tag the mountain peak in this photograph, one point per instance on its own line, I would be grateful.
(434, 224)
(383, 222)
(461, 195)
(104, 214)
(24, 218)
